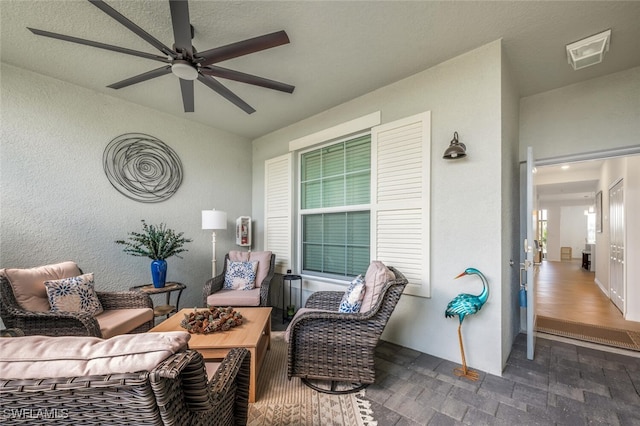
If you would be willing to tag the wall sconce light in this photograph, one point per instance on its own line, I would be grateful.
(456, 149)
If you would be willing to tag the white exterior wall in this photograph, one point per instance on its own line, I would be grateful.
(463, 95)
(56, 203)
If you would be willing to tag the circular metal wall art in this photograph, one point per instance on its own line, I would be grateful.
(142, 167)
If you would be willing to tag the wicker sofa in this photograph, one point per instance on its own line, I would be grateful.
(333, 352)
(173, 391)
(123, 312)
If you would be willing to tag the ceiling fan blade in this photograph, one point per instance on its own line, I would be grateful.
(142, 77)
(241, 48)
(226, 93)
(216, 71)
(186, 87)
(98, 45)
(181, 26)
(133, 27)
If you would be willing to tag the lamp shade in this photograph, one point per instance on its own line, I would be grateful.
(214, 219)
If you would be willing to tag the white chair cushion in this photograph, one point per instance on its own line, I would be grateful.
(226, 297)
(121, 321)
(28, 284)
(376, 277)
(35, 357)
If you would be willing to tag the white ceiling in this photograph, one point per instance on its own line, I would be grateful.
(573, 183)
(339, 50)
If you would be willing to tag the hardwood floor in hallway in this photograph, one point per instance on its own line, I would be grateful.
(566, 291)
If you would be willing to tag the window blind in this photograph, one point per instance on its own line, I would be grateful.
(335, 184)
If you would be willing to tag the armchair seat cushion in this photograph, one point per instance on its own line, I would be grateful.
(227, 297)
(28, 284)
(67, 356)
(120, 321)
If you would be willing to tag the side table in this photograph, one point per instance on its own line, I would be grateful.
(289, 309)
(168, 288)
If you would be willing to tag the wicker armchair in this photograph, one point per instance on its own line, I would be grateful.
(176, 392)
(67, 323)
(215, 285)
(333, 352)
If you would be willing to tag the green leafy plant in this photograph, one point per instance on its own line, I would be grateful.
(155, 241)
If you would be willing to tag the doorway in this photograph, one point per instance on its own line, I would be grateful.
(578, 192)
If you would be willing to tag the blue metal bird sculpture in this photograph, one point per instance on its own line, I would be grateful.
(467, 304)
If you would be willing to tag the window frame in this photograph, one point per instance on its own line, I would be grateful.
(300, 212)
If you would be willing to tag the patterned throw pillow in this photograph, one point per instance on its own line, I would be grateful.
(240, 275)
(352, 299)
(75, 294)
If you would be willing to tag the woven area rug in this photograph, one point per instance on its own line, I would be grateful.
(618, 338)
(289, 402)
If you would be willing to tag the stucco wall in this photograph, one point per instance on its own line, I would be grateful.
(510, 211)
(56, 203)
(594, 115)
(463, 95)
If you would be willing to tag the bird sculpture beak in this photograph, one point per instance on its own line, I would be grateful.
(461, 275)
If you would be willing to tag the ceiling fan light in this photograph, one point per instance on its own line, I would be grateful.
(184, 70)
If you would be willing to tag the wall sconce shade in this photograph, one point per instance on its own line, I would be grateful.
(588, 51)
(456, 149)
(214, 219)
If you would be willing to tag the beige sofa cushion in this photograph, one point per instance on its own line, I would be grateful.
(263, 258)
(35, 357)
(121, 321)
(28, 284)
(376, 277)
(226, 297)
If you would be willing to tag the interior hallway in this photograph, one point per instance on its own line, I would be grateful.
(566, 291)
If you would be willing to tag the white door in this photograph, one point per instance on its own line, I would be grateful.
(528, 262)
(616, 245)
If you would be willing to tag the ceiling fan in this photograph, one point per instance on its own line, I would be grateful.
(183, 60)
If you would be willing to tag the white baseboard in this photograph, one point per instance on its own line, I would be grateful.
(604, 290)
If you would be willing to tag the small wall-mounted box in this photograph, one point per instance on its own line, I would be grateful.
(243, 231)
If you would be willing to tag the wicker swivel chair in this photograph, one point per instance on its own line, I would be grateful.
(333, 352)
(117, 307)
(214, 294)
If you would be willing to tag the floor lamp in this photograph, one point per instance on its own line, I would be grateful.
(214, 219)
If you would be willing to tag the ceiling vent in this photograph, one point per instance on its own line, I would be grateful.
(588, 51)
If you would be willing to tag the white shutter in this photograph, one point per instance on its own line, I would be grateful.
(278, 195)
(400, 195)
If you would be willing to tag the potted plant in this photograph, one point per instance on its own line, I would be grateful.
(158, 243)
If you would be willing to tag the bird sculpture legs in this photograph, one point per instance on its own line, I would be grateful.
(464, 371)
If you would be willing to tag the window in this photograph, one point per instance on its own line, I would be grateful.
(335, 185)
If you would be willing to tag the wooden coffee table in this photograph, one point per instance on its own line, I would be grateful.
(254, 334)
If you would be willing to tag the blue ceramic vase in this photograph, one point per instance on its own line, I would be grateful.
(159, 273)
